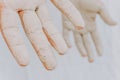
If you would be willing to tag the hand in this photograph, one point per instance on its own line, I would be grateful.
(38, 27)
(88, 9)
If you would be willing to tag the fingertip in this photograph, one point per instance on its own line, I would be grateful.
(91, 60)
(63, 51)
(114, 23)
(69, 46)
(51, 66)
(84, 55)
(24, 63)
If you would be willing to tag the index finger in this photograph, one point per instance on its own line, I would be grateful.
(71, 12)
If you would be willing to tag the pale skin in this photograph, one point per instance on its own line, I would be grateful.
(38, 26)
(89, 9)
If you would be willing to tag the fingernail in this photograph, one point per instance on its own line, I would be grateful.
(91, 60)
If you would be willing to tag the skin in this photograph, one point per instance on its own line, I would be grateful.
(38, 26)
(89, 9)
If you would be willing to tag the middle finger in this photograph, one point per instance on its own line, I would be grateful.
(33, 29)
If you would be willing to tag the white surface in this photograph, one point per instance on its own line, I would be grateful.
(70, 66)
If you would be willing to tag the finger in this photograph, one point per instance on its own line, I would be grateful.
(106, 16)
(33, 29)
(79, 44)
(68, 24)
(68, 9)
(66, 35)
(87, 43)
(67, 27)
(12, 36)
(97, 41)
(53, 35)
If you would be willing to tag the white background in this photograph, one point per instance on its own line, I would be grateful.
(70, 66)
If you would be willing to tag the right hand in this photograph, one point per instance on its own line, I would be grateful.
(89, 9)
(38, 27)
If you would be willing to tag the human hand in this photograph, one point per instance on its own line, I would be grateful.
(89, 10)
(38, 27)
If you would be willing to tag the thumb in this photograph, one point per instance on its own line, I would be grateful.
(104, 14)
